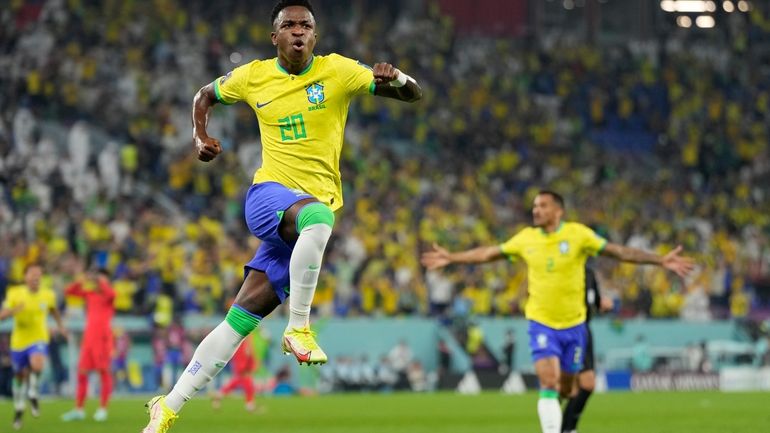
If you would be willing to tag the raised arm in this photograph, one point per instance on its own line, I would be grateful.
(392, 83)
(208, 148)
(440, 257)
(671, 261)
(75, 289)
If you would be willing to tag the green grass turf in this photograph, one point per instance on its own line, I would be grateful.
(697, 412)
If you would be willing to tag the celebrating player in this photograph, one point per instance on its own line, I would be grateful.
(555, 253)
(301, 102)
(29, 305)
(96, 350)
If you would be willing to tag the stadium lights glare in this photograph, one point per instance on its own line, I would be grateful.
(705, 22)
(684, 21)
(728, 6)
(744, 6)
(688, 6)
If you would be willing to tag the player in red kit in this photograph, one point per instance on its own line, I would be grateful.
(96, 350)
(243, 364)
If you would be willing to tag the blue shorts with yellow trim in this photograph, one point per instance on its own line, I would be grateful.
(265, 204)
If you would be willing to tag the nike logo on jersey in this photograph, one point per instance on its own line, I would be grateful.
(262, 105)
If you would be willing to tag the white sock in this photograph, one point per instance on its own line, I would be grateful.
(550, 415)
(303, 272)
(209, 358)
(34, 378)
(18, 388)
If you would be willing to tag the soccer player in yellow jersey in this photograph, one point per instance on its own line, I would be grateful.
(555, 253)
(29, 305)
(301, 102)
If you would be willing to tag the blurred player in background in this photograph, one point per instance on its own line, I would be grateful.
(555, 253)
(29, 305)
(96, 350)
(586, 379)
(243, 364)
(301, 101)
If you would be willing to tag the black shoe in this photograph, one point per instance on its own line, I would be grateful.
(34, 407)
(17, 419)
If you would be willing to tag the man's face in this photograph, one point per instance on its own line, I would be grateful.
(294, 34)
(545, 210)
(32, 277)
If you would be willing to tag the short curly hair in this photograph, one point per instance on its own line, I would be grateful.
(283, 4)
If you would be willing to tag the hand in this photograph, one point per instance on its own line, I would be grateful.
(208, 148)
(438, 258)
(384, 73)
(678, 264)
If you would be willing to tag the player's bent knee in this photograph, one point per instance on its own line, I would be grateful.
(314, 213)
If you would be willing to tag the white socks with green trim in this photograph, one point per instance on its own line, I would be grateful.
(549, 411)
(304, 267)
(209, 358)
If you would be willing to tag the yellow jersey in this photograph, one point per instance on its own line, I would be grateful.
(301, 118)
(556, 271)
(30, 324)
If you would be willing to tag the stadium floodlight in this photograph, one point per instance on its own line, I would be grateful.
(691, 6)
(668, 5)
(744, 6)
(711, 6)
(705, 21)
(728, 6)
(684, 21)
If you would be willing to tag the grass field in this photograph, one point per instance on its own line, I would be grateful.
(704, 412)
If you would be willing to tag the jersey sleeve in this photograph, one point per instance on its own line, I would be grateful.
(591, 242)
(513, 246)
(231, 87)
(10, 301)
(355, 76)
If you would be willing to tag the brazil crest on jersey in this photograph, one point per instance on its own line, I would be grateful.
(556, 271)
(301, 118)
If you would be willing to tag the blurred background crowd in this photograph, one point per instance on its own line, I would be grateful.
(653, 144)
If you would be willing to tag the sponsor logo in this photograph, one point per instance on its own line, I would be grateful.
(262, 105)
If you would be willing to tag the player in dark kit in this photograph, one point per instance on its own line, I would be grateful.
(586, 380)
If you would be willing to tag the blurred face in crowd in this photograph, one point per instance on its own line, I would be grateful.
(32, 277)
(546, 212)
(294, 35)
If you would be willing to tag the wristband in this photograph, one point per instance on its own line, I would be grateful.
(400, 81)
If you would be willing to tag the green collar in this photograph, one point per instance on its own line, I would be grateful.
(558, 229)
(304, 71)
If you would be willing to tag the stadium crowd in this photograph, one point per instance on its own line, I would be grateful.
(97, 168)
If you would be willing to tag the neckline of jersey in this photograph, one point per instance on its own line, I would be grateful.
(304, 71)
(558, 229)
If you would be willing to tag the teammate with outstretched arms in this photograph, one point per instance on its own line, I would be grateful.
(29, 305)
(301, 102)
(555, 253)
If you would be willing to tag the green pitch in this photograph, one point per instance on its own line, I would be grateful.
(707, 412)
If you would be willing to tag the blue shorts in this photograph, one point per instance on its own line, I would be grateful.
(20, 358)
(264, 208)
(566, 344)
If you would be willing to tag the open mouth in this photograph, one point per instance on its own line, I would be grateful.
(298, 45)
